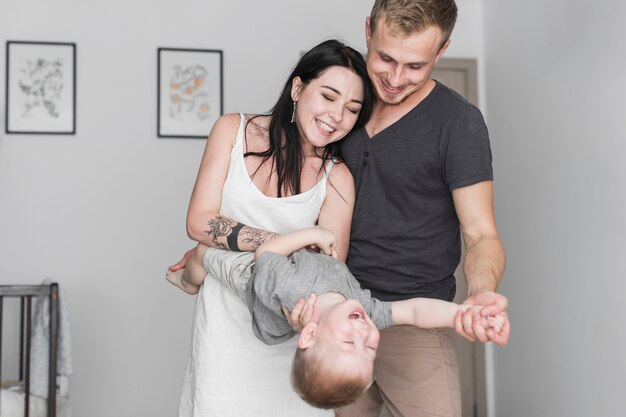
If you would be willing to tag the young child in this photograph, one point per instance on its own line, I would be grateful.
(337, 345)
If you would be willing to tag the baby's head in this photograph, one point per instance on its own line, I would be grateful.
(334, 362)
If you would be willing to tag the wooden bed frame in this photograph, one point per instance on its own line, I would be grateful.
(26, 293)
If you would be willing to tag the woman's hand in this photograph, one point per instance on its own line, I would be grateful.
(183, 262)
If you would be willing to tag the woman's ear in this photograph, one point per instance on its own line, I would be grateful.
(307, 336)
(296, 88)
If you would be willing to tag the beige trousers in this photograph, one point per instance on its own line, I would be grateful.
(416, 374)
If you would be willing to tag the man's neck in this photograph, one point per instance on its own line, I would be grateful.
(384, 115)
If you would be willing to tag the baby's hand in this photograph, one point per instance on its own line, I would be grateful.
(498, 328)
(495, 322)
(326, 241)
(302, 312)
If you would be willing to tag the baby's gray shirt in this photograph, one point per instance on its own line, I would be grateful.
(284, 280)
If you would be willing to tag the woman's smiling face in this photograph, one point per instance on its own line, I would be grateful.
(328, 106)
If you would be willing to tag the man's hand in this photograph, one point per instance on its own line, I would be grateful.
(301, 314)
(470, 324)
(181, 264)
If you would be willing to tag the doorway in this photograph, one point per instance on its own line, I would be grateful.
(461, 75)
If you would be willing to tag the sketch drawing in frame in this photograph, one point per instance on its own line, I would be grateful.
(40, 87)
(190, 96)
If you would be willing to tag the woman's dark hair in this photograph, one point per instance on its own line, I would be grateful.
(284, 139)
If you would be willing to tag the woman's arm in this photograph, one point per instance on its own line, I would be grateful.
(204, 223)
(426, 313)
(336, 211)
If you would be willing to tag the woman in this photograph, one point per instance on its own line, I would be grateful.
(262, 175)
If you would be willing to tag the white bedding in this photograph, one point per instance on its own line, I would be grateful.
(236, 374)
(12, 404)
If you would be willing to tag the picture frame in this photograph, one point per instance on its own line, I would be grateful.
(40, 88)
(190, 91)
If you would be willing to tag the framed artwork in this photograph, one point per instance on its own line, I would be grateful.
(40, 87)
(190, 95)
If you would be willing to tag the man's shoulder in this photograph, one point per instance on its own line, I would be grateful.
(442, 107)
(451, 100)
(356, 135)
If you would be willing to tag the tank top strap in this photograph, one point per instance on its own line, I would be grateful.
(328, 166)
(241, 133)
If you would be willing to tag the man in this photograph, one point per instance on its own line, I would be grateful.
(423, 173)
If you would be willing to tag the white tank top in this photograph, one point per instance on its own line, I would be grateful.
(244, 202)
(226, 358)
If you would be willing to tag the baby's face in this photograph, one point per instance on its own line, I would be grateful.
(349, 335)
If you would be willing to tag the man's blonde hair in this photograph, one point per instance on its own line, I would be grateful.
(321, 385)
(405, 17)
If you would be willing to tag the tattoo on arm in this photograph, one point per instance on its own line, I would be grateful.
(232, 237)
(222, 226)
(256, 237)
(218, 227)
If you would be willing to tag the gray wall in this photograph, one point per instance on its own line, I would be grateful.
(103, 211)
(555, 104)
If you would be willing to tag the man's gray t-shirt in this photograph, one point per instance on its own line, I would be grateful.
(285, 279)
(405, 240)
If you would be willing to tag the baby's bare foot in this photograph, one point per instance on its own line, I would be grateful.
(176, 278)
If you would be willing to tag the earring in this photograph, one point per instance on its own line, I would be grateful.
(293, 114)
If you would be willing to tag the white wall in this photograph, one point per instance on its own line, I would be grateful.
(103, 211)
(555, 103)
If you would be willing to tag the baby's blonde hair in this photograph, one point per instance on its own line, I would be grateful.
(321, 385)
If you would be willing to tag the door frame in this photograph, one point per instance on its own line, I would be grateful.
(471, 355)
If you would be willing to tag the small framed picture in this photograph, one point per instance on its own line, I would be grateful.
(41, 88)
(190, 92)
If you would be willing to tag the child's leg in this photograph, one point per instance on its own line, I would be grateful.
(190, 278)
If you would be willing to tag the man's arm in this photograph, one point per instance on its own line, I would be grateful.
(484, 259)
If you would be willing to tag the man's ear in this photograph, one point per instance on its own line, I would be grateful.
(368, 31)
(307, 336)
(296, 87)
(442, 50)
